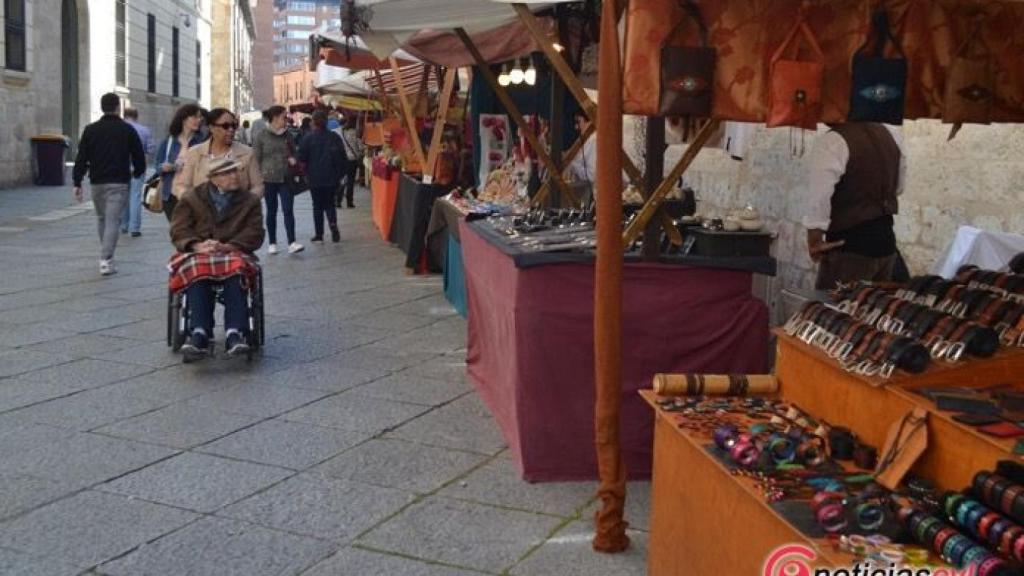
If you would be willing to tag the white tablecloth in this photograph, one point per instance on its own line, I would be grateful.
(989, 250)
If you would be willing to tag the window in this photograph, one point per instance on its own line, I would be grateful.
(297, 48)
(14, 32)
(302, 20)
(120, 55)
(175, 56)
(300, 34)
(302, 6)
(199, 70)
(151, 53)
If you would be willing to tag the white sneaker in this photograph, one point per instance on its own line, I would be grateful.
(295, 247)
(107, 267)
(272, 249)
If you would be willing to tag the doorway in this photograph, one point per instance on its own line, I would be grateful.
(69, 71)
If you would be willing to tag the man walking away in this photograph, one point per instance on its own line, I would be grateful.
(111, 152)
(354, 153)
(131, 219)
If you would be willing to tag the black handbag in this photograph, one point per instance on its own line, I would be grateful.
(296, 177)
(687, 72)
(879, 83)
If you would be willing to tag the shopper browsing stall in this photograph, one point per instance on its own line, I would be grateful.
(855, 176)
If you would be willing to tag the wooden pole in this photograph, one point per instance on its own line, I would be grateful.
(658, 196)
(442, 115)
(410, 120)
(610, 527)
(575, 87)
(517, 117)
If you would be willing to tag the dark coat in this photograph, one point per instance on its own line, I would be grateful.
(110, 151)
(323, 153)
(195, 220)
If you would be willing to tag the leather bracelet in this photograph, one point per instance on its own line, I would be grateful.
(865, 457)
(812, 452)
(1009, 537)
(942, 537)
(986, 522)
(953, 500)
(996, 531)
(991, 566)
(870, 516)
(974, 555)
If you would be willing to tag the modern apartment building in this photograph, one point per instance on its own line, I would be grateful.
(294, 21)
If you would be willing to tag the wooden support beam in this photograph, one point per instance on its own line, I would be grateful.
(564, 71)
(410, 120)
(383, 93)
(570, 155)
(654, 202)
(442, 115)
(517, 116)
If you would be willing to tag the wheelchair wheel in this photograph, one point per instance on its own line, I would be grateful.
(176, 322)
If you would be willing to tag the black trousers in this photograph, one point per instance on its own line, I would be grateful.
(323, 204)
(169, 205)
(349, 182)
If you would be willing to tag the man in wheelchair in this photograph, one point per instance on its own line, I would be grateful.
(216, 228)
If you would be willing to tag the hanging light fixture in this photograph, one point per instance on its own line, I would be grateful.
(503, 78)
(516, 76)
(530, 76)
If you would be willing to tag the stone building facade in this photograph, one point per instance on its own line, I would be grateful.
(30, 85)
(295, 86)
(974, 179)
(234, 32)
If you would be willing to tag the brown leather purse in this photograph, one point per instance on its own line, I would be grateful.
(687, 72)
(970, 82)
(794, 97)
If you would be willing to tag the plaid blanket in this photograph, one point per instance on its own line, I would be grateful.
(189, 267)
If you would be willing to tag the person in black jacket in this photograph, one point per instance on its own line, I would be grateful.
(323, 153)
(111, 152)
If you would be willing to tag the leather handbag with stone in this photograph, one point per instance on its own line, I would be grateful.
(970, 81)
(687, 72)
(879, 83)
(795, 85)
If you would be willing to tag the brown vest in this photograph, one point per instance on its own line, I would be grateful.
(867, 190)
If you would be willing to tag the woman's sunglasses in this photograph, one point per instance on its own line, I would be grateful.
(227, 125)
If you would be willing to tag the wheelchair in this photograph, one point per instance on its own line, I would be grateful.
(179, 327)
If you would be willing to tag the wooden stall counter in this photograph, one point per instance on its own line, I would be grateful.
(705, 521)
(870, 405)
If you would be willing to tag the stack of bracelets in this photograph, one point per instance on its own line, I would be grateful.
(954, 547)
(858, 346)
(946, 336)
(1000, 494)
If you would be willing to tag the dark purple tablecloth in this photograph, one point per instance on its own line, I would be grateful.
(531, 349)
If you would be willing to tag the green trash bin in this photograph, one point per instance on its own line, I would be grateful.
(48, 152)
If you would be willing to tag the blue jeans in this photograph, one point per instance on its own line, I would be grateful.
(131, 218)
(271, 192)
(201, 303)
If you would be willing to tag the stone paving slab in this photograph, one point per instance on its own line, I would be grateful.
(22, 493)
(14, 362)
(254, 399)
(223, 547)
(179, 426)
(400, 464)
(83, 345)
(325, 375)
(350, 411)
(89, 409)
(498, 483)
(320, 507)
(464, 424)
(286, 444)
(407, 386)
(14, 562)
(462, 534)
(84, 374)
(197, 482)
(90, 527)
(366, 563)
(569, 553)
(17, 336)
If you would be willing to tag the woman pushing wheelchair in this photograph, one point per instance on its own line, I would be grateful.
(216, 227)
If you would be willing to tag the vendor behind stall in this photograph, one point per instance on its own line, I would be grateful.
(856, 173)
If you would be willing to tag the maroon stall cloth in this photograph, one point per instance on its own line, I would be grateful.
(531, 349)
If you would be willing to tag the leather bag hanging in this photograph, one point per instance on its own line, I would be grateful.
(970, 81)
(687, 72)
(879, 83)
(794, 97)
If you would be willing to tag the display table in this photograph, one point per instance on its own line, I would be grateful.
(384, 189)
(411, 219)
(531, 348)
(443, 237)
(869, 405)
(704, 520)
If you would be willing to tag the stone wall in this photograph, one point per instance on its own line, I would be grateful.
(976, 179)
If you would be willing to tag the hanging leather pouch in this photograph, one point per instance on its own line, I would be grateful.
(687, 72)
(794, 97)
(879, 83)
(970, 82)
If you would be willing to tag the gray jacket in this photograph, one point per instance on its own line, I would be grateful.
(272, 152)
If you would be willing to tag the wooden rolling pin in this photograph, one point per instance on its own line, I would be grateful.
(715, 384)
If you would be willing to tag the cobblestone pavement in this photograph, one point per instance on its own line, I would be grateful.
(353, 446)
